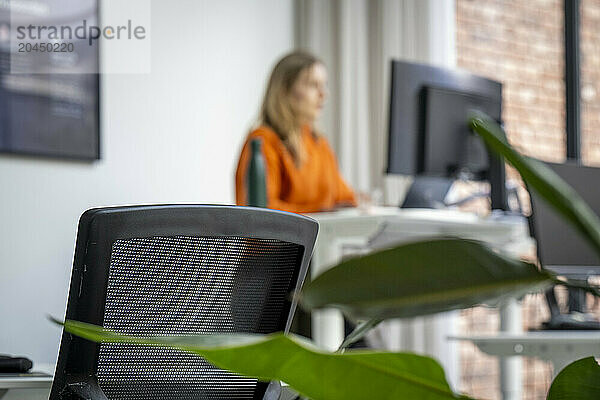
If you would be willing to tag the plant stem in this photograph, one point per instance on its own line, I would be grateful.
(358, 333)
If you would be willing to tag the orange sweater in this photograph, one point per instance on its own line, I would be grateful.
(314, 186)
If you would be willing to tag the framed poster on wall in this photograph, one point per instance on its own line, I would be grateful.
(49, 81)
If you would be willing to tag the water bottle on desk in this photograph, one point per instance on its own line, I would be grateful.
(257, 188)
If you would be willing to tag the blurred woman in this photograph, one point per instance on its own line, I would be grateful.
(301, 170)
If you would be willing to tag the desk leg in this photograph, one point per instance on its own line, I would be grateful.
(428, 336)
(328, 328)
(511, 379)
(328, 324)
(3, 392)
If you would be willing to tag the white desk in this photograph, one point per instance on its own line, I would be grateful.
(25, 387)
(560, 347)
(380, 227)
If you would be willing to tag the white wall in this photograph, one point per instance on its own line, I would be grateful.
(169, 136)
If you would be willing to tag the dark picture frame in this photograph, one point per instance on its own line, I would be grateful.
(55, 114)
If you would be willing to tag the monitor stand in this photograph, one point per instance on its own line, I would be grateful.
(576, 319)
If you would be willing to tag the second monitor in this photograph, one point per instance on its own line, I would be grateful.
(429, 135)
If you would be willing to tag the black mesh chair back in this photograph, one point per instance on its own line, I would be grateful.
(177, 270)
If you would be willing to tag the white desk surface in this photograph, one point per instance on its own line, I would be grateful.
(355, 224)
(550, 337)
(435, 216)
(560, 347)
(535, 342)
(420, 213)
(25, 382)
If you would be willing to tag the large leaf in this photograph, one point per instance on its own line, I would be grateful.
(578, 380)
(420, 278)
(543, 180)
(316, 374)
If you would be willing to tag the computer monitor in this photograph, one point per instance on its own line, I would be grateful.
(447, 146)
(563, 250)
(429, 135)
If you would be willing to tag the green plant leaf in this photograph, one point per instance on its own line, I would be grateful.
(421, 278)
(579, 380)
(313, 373)
(543, 180)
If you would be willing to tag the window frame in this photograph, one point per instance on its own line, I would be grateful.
(572, 80)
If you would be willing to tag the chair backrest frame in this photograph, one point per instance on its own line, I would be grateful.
(99, 228)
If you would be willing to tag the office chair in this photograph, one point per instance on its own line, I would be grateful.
(177, 270)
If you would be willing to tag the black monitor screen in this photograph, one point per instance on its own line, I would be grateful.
(406, 118)
(448, 146)
(560, 247)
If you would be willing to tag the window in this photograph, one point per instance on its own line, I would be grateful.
(589, 45)
(520, 44)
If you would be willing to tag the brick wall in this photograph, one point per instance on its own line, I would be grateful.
(519, 43)
(590, 81)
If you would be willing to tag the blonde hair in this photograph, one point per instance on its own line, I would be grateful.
(276, 111)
